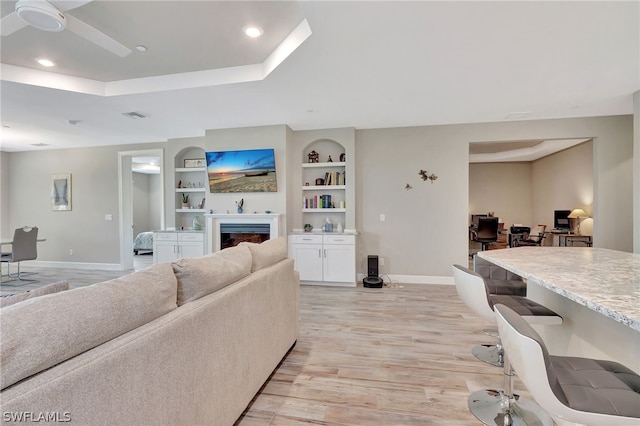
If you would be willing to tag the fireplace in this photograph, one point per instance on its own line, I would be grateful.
(227, 230)
(232, 234)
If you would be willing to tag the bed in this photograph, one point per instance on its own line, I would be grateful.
(143, 242)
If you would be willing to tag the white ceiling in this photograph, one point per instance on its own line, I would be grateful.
(357, 64)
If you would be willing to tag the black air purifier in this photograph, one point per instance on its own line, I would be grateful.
(372, 280)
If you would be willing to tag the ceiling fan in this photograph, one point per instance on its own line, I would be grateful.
(46, 16)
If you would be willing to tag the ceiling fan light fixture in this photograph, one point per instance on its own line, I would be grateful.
(41, 14)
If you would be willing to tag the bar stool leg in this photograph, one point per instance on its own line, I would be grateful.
(504, 408)
(490, 354)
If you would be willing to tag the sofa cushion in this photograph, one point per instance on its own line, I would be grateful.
(199, 276)
(267, 253)
(41, 332)
(47, 289)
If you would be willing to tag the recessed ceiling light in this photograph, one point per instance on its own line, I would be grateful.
(45, 62)
(253, 32)
(141, 48)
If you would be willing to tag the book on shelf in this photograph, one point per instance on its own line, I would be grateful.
(334, 178)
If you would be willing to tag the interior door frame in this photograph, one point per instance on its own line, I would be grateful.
(125, 200)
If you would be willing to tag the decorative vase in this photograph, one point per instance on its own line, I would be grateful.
(185, 205)
(197, 225)
(239, 210)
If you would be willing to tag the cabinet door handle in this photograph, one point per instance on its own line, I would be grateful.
(320, 253)
(325, 252)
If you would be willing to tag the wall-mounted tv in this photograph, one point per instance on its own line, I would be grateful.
(251, 170)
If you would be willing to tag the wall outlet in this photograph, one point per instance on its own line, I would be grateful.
(108, 216)
(382, 217)
(70, 252)
(381, 261)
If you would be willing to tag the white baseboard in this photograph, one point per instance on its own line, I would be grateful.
(414, 279)
(74, 265)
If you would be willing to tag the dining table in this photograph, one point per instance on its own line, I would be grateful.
(595, 290)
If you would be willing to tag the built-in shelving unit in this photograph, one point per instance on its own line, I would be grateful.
(191, 181)
(315, 206)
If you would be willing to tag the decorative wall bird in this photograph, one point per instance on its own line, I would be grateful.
(424, 175)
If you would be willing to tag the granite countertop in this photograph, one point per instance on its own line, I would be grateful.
(606, 281)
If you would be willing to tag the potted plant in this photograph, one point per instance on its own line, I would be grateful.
(185, 201)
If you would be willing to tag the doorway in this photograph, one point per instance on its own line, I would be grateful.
(126, 200)
(524, 182)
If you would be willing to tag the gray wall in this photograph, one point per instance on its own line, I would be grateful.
(94, 186)
(563, 181)
(5, 230)
(146, 196)
(425, 230)
(503, 188)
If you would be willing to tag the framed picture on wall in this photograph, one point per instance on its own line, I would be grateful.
(61, 191)
(190, 163)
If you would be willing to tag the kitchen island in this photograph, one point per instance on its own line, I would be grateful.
(597, 292)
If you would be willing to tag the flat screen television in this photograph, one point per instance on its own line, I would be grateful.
(561, 219)
(250, 170)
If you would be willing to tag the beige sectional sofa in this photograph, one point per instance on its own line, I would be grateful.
(183, 343)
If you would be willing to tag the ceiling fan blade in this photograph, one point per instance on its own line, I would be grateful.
(95, 36)
(11, 23)
(64, 5)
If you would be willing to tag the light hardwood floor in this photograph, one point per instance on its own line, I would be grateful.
(398, 355)
(391, 356)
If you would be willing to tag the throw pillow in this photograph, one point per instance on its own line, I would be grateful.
(39, 333)
(47, 289)
(199, 276)
(267, 253)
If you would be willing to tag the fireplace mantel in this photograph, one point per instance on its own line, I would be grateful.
(214, 220)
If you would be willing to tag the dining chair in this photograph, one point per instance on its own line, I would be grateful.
(23, 247)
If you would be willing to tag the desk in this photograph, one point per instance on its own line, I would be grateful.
(597, 292)
(568, 240)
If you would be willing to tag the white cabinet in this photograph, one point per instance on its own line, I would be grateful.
(306, 252)
(324, 258)
(170, 246)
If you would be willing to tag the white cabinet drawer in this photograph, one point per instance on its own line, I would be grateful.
(165, 236)
(307, 239)
(191, 236)
(339, 239)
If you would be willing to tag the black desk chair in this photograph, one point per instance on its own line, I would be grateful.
(487, 231)
(533, 239)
